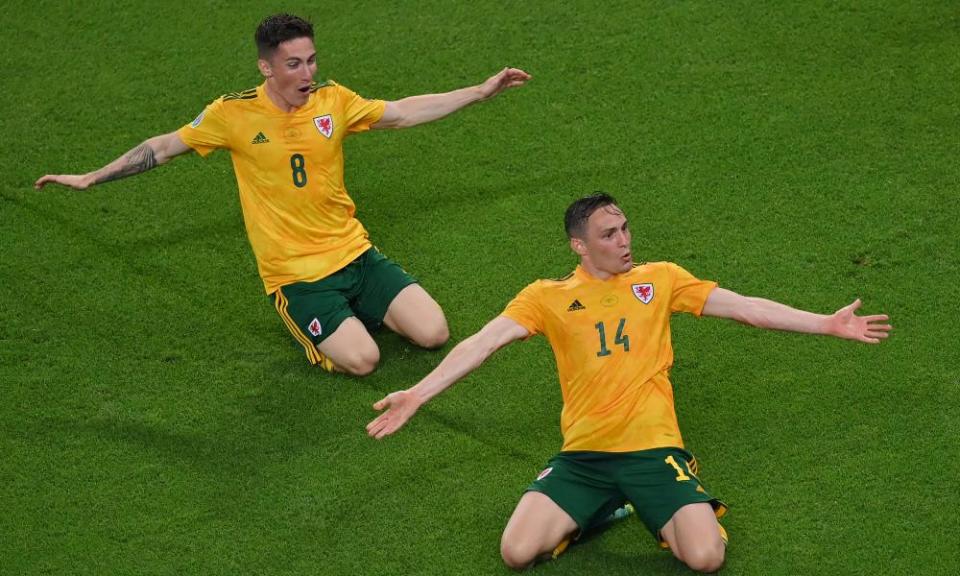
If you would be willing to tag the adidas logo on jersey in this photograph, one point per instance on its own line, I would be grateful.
(576, 305)
(259, 139)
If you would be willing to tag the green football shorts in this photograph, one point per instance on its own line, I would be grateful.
(364, 288)
(589, 486)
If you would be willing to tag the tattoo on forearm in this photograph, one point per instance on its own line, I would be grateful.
(138, 160)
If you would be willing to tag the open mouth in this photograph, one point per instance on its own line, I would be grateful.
(304, 90)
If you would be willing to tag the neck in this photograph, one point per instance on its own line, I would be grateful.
(592, 270)
(277, 99)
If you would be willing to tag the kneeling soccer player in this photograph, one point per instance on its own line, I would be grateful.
(609, 326)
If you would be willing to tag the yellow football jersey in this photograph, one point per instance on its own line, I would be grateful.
(611, 340)
(289, 169)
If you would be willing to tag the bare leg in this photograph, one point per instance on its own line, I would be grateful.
(536, 527)
(693, 534)
(351, 349)
(416, 316)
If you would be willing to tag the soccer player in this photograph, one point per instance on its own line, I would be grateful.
(329, 284)
(608, 323)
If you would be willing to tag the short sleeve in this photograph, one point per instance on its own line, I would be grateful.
(208, 131)
(360, 113)
(688, 293)
(525, 309)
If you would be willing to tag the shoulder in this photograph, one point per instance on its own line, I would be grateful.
(545, 287)
(654, 269)
(248, 94)
(325, 86)
(650, 266)
(234, 101)
(569, 280)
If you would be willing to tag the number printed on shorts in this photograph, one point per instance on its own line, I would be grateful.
(299, 170)
(680, 475)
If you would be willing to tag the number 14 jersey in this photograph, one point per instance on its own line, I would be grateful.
(611, 340)
(289, 169)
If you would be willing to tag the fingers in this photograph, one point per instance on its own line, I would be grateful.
(511, 77)
(387, 430)
(42, 181)
(854, 305)
(383, 426)
(388, 422)
(517, 73)
(377, 424)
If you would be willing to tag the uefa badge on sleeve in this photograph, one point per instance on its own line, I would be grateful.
(324, 124)
(643, 292)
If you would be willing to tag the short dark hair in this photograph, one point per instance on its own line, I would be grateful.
(575, 220)
(277, 29)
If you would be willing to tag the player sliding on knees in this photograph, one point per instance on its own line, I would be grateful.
(608, 323)
(330, 286)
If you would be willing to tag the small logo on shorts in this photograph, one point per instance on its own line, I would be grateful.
(546, 472)
(315, 328)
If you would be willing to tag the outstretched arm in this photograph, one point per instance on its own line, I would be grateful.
(150, 154)
(762, 313)
(429, 107)
(466, 357)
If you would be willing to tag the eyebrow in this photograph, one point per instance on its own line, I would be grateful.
(297, 58)
(606, 231)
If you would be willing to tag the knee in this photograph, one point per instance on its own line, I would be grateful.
(360, 362)
(517, 555)
(706, 559)
(435, 336)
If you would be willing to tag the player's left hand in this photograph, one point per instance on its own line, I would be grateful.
(844, 323)
(400, 407)
(506, 78)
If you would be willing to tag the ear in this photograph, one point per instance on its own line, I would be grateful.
(265, 68)
(578, 246)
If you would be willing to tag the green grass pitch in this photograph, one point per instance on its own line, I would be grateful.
(156, 418)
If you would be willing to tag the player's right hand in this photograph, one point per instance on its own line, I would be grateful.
(74, 181)
(400, 407)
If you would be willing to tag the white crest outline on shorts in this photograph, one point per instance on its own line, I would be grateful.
(315, 328)
(546, 472)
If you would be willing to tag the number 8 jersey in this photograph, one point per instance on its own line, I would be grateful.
(611, 340)
(289, 168)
